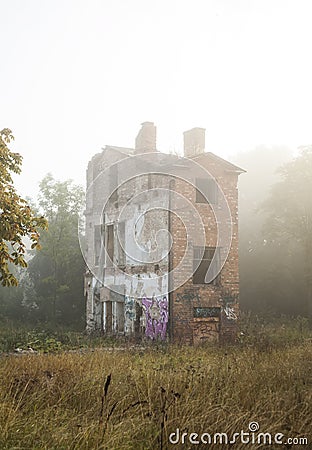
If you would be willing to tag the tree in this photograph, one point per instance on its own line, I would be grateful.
(262, 266)
(289, 223)
(17, 219)
(57, 271)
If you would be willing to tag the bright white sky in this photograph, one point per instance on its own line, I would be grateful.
(79, 74)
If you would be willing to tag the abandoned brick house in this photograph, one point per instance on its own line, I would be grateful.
(161, 241)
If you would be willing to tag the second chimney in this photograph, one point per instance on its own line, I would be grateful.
(146, 138)
(194, 142)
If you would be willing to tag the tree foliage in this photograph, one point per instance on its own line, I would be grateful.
(264, 269)
(289, 222)
(289, 204)
(17, 219)
(57, 271)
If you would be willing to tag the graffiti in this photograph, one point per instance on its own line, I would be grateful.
(205, 331)
(156, 313)
(228, 297)
(129, 313)
(201, 312)
(229, 312)
(188, 295)
(149, 314)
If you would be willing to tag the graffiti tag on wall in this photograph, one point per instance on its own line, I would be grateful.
(227, 307)
(188, 295)
(156, 312)
(203, 312)
(229, 312)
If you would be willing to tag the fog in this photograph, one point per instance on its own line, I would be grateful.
(77, 75)
(275, 267)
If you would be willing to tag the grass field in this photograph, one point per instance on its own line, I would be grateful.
(134, 398)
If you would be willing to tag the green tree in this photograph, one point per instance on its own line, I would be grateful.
(17, 220)
(57, 271)
(289, 222)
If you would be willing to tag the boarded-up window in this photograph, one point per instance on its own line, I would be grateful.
(110, 245)
(206, 191)
(201, 262)
(206, 312)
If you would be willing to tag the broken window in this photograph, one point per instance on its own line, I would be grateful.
(206, 191)
(120, 316)
(97, 244)
(108, 317)
(113, 182)
(109, 245)
(202, 258)
(121, 258)
(149, 181)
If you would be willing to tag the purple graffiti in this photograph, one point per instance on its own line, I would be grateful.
(156, 312)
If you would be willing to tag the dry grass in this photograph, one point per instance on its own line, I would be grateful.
(67, 401)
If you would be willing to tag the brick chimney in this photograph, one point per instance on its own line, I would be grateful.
(194, 142)
(146, 138)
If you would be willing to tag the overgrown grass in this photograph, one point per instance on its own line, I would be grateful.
(133, 399)
(46, 339)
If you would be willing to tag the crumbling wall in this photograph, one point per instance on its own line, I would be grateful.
(139, 270)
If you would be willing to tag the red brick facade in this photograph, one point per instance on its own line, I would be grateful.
(223, 296)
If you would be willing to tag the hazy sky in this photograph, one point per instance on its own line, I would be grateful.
(79, 74)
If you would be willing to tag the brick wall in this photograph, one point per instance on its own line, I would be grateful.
(222, 295)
